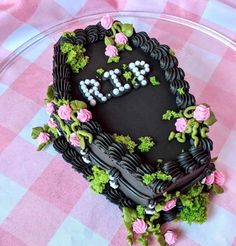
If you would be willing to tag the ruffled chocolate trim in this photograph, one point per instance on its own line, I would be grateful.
(92, 33)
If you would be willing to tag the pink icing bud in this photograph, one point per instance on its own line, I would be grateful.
(169, 205)
(170, 237)
(107, 21)
(64, 112)
(111, 50)
(84, 115)
(120, 38)
(51, 83)
(50, 107)
(181, 125)
(209, 180)
(139, 226)
(219, 178)
(201, 113)
(52, 123)
(43, 137)
(74, 140)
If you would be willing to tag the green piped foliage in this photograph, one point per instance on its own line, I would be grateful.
(146, 143)
(153, 80)
(169, 114)
(75, 56)
(99, 179)
(149, 178)
(125, 140)
(194, 205)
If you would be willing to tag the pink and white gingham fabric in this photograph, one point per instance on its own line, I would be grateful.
(42, 200)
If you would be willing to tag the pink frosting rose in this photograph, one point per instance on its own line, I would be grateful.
(219, 178)
(52, 123)
(209, 180)
(74, 140)
(50, 107)
(64, 112)
(107, 21)
(120, 38)
(43, 137)
(84, 115)
(170, 237)
(169, 205)
(111, 50)
(181, 124)
(201, 112)
(139, 226)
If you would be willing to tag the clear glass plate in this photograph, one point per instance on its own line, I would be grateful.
(199, 50)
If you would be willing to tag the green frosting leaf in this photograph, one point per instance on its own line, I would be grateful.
(171, 52)
(217, 189)
(153, 80)
(98, 180)
(181, 91)
(211, 120)
(125, 140)
(120, 47)
(100, 71)
(127, 29)
(113, 59)
(54, 132)
(77, 105)
(42, 146)
(127, 75)
(146, 143)
(50, 93)
(35, 132)
(128, 47)
(108, 41)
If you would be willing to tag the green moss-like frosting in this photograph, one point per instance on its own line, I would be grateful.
(146, 143)
(149, 178)
(75, 56)
(194, 205)
(125, 140)
(98, 180)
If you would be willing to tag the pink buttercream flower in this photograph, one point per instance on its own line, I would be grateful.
(52, 123)
(43, 137)
(111, 50)
(170, 237)
(64, 112)
(139, 226)
(201, 112)
(219, 178)
(209, 180)
(74, 140)
(169, 205)
(120, 38)
(84, 115)
(107, 21)
(50, 107)
(181, 124)
(51, 83)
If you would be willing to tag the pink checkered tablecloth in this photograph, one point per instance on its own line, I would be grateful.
(42, 200)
